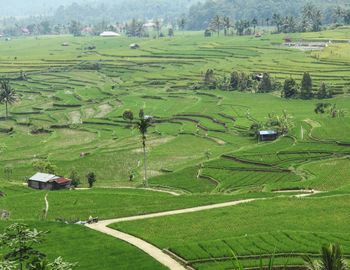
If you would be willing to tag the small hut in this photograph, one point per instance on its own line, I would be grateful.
(134, 46)
(267, 135)
(48, 182)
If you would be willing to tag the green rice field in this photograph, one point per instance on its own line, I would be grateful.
(197, 149)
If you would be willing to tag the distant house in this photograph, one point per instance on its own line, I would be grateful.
(109, 34)
(87, 30)
(25, 31)
(267, 135)
(134, 46)
(48, 181)
(149, 24)
(258, 77)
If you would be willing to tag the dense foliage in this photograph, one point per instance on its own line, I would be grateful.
(263, 12)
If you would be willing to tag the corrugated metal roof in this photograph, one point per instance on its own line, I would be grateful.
(109, 34)
(62, 180)
(267, 132)
(43, 177)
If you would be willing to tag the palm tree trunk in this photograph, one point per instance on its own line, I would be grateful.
(7, 113)
(145, 182)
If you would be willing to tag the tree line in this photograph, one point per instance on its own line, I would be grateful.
(133, 28)
(214, 16)
(264, 83)
(265, 11)
(310, 20)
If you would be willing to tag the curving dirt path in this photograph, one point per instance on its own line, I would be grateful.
(153, 251)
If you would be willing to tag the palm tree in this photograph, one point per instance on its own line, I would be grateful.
(227, 25)
(254, 23)
(216, 24)
(182, 24)
(143, 124)
(7, 94)
(331, 259)
(157, 26)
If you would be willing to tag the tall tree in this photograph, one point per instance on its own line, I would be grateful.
(337, 14)
(7, 95)
(216, 24)
(158, 27)
(227, 25)
(241, 26)
(75, 28)
(254, 24)
(277, 20)
(143, 124)
(91, 179)
(312, 17)
(290, 88)
(19, 242)
(265, 84)
(322, 91)
(306, 86)
(182, 24)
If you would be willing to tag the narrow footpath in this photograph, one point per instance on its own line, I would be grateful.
(151, 250)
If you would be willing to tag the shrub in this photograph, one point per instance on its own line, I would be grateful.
(324, 91)
(265, 84)
(207, 33)
(209, 79)
(290, 88)
(74, 176)
(91, 179)
(45, 166)
(306, 86)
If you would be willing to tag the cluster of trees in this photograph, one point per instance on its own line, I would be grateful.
(20, 243)
(341, 15)
(291, 89)
(134, 28)
(138, 28)
(310, 20)
(264, 83)
(230, 27)
(282, 124)
(241, 81)
(285, 13)
(330, 109)
(228, 16)
(108, 15)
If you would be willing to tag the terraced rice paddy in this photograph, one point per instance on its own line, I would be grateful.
(81, 108)
(288, 228)
(197, 147)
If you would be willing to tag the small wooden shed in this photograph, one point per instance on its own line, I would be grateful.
(48, 182)
(267, 135)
